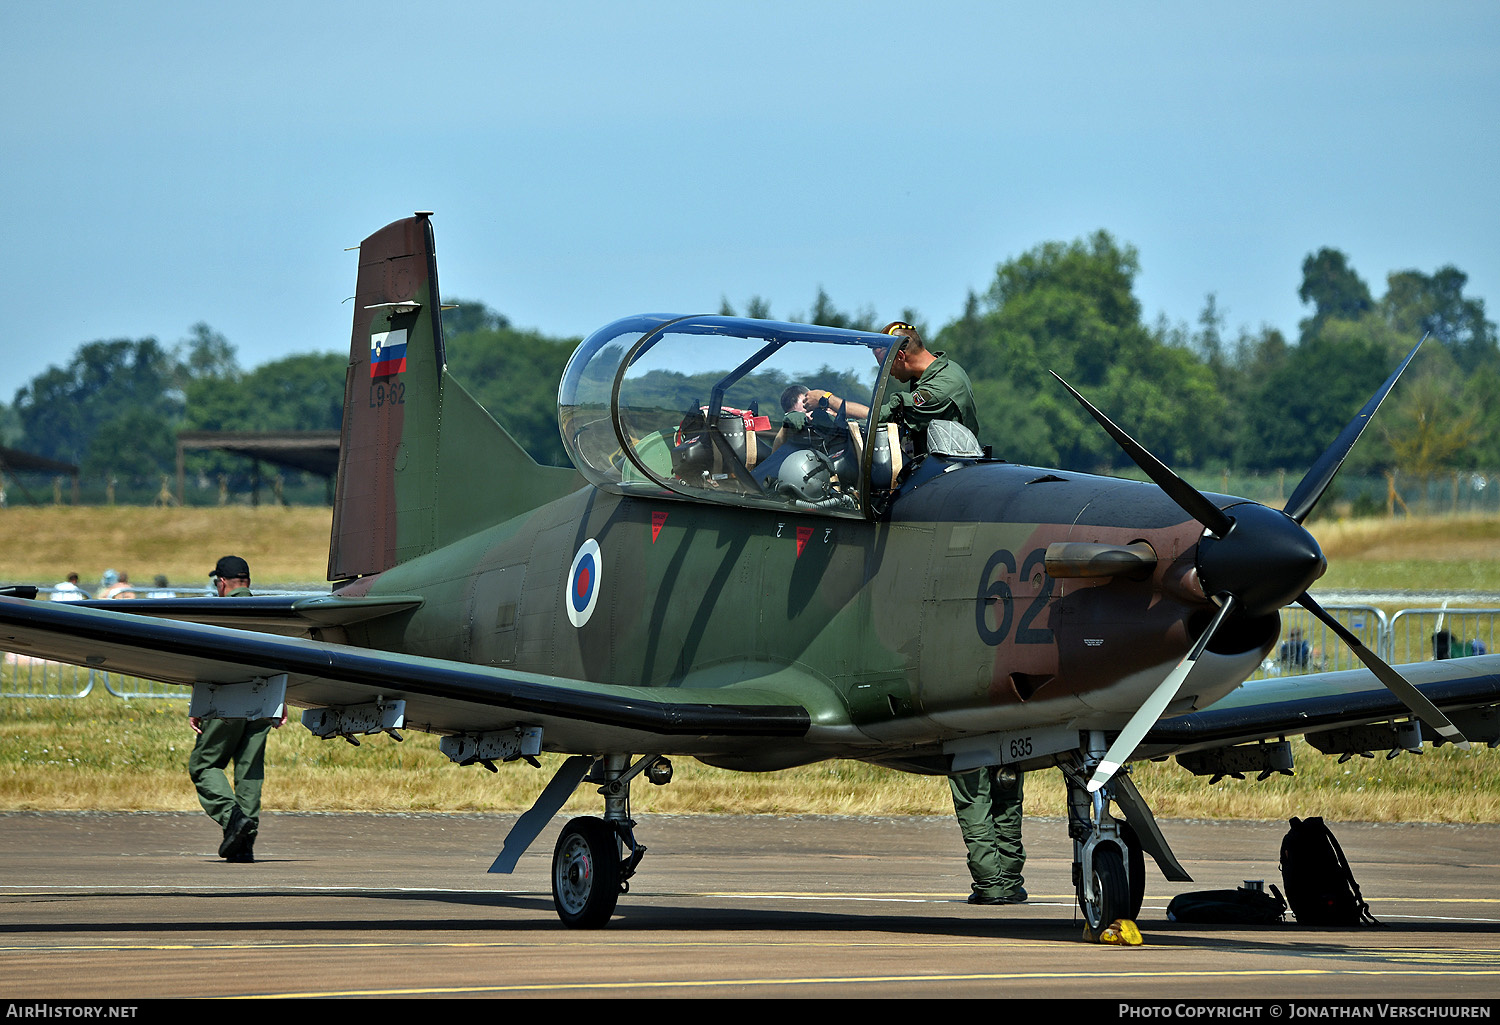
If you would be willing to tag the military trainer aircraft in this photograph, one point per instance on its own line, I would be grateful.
(711, 581)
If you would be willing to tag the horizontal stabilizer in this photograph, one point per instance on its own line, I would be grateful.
(271, 613)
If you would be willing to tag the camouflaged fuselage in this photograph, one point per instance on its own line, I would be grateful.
(929, 619)
(928, 625)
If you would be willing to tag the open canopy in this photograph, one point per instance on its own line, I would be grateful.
(696, 407)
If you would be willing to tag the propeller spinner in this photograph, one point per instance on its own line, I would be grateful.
(1257, 560)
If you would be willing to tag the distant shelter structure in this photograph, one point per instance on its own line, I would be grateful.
(14, 461)
(315, 452)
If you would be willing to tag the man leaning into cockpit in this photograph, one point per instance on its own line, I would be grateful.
(935, 388)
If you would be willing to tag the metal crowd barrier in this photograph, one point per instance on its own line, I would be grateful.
(24, 677)
(135, 687)
(1307, 645)
(1417, 635)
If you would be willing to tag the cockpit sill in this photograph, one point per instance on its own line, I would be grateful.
(697, 408)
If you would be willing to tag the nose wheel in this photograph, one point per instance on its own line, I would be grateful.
(1108, 861)
(1110, 896)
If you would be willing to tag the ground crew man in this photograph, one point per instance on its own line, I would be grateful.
(936, 388)
(240, 741)
(987, 802)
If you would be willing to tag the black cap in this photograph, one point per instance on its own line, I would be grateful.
(232, 567)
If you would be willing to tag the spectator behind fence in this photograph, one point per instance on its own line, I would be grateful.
(1295, 651)
(116, 585)
(69, 590)
(1445, 645)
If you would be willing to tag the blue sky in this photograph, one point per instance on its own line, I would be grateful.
(169, 163)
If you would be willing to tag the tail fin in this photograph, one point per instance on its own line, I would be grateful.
(421, 463)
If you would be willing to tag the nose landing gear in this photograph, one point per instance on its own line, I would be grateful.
(1109, 866)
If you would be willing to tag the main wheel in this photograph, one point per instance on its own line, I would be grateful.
(586, 873)
(1111, 891)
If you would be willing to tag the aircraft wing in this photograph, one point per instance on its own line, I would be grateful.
(1319, 702)
(441, 696)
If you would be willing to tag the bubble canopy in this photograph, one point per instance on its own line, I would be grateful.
(695, 408)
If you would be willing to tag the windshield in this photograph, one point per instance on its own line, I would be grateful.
(728, 410)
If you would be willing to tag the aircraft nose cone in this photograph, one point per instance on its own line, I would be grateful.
(1265, 560)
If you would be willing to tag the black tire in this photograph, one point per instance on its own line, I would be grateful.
(586, 873)
(1137, 871)
(1111, 892)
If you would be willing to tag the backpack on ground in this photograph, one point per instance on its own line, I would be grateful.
(1243, 906)
(1319, 886)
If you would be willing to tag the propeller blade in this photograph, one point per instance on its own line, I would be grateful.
(1145, 717)
(1317, 479)
(1269, 563)
(1394, 681)
(1187, 497)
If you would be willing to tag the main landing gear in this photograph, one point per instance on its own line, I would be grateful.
(587, 873)
(1109, 865)
(595, 858)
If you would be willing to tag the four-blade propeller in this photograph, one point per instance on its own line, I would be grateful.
(1256, 560)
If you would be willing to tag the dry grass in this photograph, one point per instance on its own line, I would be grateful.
(131, 755)
(42, 545)
(1459, 553)
(102, 752)
(1435, 539)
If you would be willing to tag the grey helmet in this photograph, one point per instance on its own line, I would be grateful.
(805, 473)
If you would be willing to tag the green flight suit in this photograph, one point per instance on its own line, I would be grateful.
(943, 392)
(989, 816)
(241, 741)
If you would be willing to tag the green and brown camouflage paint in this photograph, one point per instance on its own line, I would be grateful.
(934, 619)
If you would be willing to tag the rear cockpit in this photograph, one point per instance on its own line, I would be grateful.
(714, 409)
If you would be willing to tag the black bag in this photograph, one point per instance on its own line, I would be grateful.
(1228, 907)
(1319, 886)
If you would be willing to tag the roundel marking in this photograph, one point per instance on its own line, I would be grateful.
(583, 583)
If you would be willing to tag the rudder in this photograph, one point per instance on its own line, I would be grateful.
(421, 463)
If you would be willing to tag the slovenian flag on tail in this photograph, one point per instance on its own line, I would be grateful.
(387, 353)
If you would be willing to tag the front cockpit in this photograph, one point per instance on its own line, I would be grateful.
(715, 409)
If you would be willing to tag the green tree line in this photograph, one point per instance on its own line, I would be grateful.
(1198, 396)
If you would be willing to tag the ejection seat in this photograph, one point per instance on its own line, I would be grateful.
(887, 459)
(721, 454)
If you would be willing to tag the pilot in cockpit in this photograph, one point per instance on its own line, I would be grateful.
(798, 414)
(811, 458)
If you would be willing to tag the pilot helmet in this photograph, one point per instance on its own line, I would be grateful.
(807, 474)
